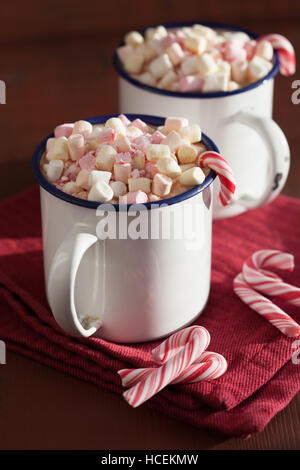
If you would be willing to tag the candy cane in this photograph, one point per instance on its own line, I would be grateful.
(197, 341)
(208, 366)
(285, 50)
(217, 163)
(267, 282)
(265, 307)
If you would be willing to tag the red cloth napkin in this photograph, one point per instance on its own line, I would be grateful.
(261, 378)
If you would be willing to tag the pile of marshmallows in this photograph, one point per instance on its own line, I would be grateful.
(195, 59)
(123, 161)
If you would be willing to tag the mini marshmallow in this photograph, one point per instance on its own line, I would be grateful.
(76, 146)
(135, 197)
(122, 144)
(167, 80)
(99, 175)
(224, 66)
(239, 71)
(175, 53)
(191, 133)
(150, 170)
(189, 65)
(71, 188)
(124, 120)
(232, 86)
(50, 143)
(190, 83)
(216, 82)
(147, 52)
(101, 192)
(134, 184)
(175, 123)
(134, 63)
(82, 195)
(105, 158)
(158, 32)
(54, 170)
(192, 177)
(206, 64)
(64, 130)
(154, 152)
(59, 150)
(160, 66)
(173, 140)
(234, 50)
(138, 162)
(168, 166)
(153, 197)
(157, 137)
(133, 132)
(187, 154)
(117, 125)
(147, 79)
(264, 50)
(258, 68)
(82, 179)
(87, 162)
(140, 125)
(123, 52)
(196, 44)
(119, 188)
(82, 127)
(161, 185)
(122, 171)
(134, 39)
(186, 166)
(204, 31)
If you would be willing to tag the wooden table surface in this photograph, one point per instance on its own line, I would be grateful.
(53, 76)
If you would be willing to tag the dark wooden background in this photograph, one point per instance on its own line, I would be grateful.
(55, 58)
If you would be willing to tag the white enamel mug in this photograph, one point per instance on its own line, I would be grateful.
(137, 289)
(239, 121)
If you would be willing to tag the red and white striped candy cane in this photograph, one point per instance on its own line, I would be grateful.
(265, 307)
(217, 163)
(197, 341)
(268, 283)
(285, 50)
(208, 366)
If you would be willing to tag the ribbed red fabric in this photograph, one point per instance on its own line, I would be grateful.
(261, 378)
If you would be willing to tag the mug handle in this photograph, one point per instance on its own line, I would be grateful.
(61, 282)
(278, 157)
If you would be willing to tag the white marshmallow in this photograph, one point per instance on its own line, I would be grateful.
(59, 150)
(239, 70)
(192, 177)
(82, 179)
(105, 158)
(204, 31)
(160, 66)
(224, 66)
(122, 144)
(82, 127)
(99, 175)
(117, 125)
(135, 184)
(232, 86)
(154, 152)
(206, 64)
(122, 171)
(189, 65)
(159, 32)
(191, 133)
(119, 188)
(133, 63)
(167, 80)
(216, 82)
(168, 166)
(134, 39)
(196, 44)
(175, 53)
(175, 123)
(186, 166)
(101, 192)
(173, 140)
(161, 185)
(258, 68)
(187, 154)
(264, 49)
(139, 162)
(147, 51)
(54, 170)
(146, 78)
(71, 188)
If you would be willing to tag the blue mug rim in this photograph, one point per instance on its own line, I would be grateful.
(152, 120)
(218, 94)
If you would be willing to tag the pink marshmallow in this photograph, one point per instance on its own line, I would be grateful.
(143, 141)
(87, 162)
(250, 48)
(150, 170)
(168, 40)
(190, 83)
(233, 50)
(123, 157)
(134, 197)
(135, 173)
(124, 119)
(157, 137)
(107, 136)
(140, 125)
(122, 172)
(71, 171)
(161, 185)
(64, 130)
